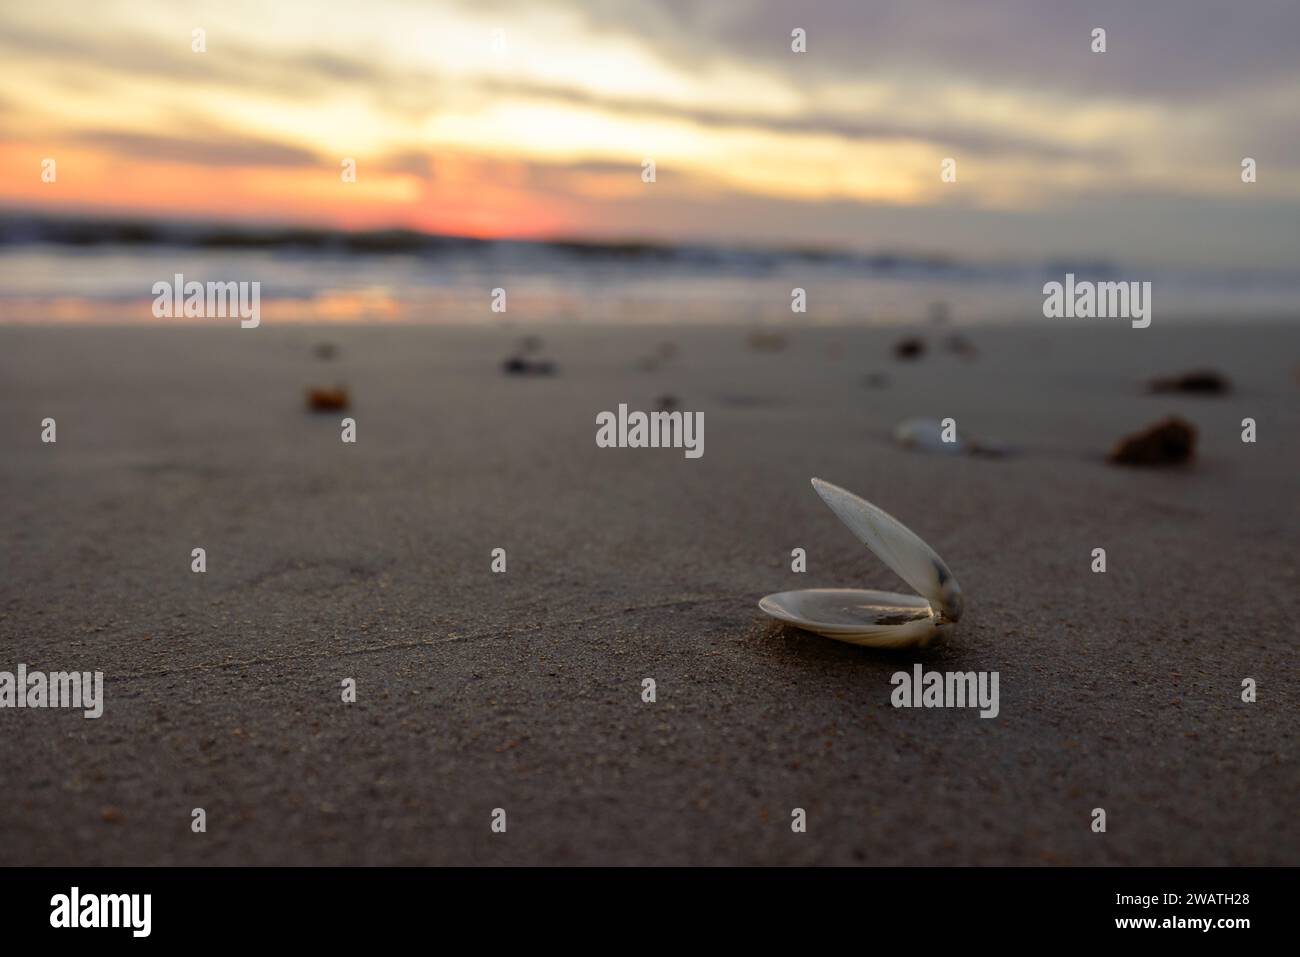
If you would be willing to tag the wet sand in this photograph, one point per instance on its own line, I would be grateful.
(523, 691)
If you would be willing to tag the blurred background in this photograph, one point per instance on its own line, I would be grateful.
(502, 144)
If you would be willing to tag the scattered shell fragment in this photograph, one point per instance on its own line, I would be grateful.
(321, 399)
(1171, 441)
(1202, 381)
(926, 435)
(878, 619)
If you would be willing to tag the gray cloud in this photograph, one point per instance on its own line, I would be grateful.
(306, 74)
(211, 150)
(1174, 50)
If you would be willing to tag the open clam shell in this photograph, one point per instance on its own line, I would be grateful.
(879, 619)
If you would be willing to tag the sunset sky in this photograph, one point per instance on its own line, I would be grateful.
(1131, 153)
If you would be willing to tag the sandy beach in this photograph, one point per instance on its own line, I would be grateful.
(522, 690)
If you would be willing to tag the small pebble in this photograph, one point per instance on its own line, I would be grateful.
(1203, 381)
(1171, 441)
(327, 400)
(518, 365)
(913, 347)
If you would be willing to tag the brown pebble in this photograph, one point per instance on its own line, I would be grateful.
(111, 815)
(1171, 441)
(327, 400)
